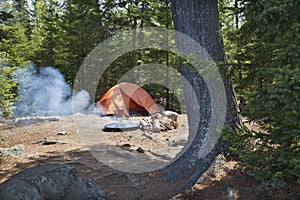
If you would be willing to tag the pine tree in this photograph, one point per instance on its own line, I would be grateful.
(46, 32)
(15, 51)
(82, 30)
(270, 59)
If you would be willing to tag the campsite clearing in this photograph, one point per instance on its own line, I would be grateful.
(117, 184)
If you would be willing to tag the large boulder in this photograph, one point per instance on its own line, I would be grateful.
(50, 181)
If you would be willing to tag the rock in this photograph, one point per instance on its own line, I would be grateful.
(179, 140)
(84, 190)
(46, 141)
(148, 135)
(165, 119)
(34, 172)
(140, 150)
(146, 125)
(156, 116)
(50, 181)
(15, 151)
(156, 125)
(126, 147)
(47, 187)
(160, 122)
(62, 133)
(172, 115)
(52, 184)
(16, 189)
(28, 121)
(231, 194)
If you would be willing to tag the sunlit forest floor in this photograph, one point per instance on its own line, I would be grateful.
(69, 149)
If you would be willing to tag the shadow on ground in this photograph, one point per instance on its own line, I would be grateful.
(116, 184)
(120, 185)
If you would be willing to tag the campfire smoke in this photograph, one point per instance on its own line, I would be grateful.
(45, 92)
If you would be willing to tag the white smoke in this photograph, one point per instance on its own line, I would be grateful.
(45, 92)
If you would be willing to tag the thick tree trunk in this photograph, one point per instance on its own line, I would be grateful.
(199, 19)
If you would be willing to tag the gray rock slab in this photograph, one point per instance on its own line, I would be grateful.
(16, 189)
(88, 191)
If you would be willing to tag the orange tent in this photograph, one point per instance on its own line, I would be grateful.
(126, 97)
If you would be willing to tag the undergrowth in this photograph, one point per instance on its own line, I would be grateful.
(262, 158)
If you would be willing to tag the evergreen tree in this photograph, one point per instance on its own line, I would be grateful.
(269, 74)
(15, 51)
(47, 16)
(82, 31)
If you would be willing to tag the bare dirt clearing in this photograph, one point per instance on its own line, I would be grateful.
(69, 140)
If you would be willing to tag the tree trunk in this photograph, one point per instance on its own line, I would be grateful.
(199, 19)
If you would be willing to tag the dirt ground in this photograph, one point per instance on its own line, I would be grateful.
(69, 140)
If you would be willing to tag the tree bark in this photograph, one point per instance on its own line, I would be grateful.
(199, 19)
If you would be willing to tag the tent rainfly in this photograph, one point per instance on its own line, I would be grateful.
(125, 98)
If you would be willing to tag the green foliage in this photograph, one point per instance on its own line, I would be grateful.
(7, 94)
(14, 52)
(80, 30)
(262, 157)
(265, 63)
